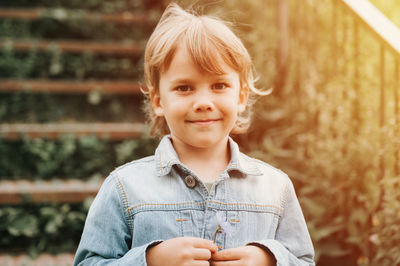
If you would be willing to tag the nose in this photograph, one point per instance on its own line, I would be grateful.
(203, 102)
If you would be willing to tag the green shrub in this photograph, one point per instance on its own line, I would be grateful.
(386, 225)
(42, 227)
(69, 157)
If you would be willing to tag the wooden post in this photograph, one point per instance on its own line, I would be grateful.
(283, 46)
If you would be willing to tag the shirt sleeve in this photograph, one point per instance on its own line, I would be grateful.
(292, 245)
(106, 237)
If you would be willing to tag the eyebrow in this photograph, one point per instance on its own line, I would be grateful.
(188, 80)
(182, 80)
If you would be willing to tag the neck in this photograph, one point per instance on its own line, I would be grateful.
(208, 162)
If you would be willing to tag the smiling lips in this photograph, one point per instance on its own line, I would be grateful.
(204, 122)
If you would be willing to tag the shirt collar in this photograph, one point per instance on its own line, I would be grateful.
(166, 157)
(240, 162)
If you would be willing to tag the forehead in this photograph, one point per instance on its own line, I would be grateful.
(209, 60)
(183, 65)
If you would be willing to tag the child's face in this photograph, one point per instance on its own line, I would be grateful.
(200, 108)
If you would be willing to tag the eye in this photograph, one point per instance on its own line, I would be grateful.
(183, 88)
(219, 86)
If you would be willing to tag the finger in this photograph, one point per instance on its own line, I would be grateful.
(201, 254)
(226, 263)
(200, 263)
(228, 254)
(204, 243)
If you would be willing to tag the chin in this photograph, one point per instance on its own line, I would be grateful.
(206, 142)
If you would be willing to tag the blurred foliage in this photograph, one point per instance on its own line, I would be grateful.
(69, 157)
(52, 227)
(95, 106)
(71, 23)
(386, 224)
(57, 65)
(92, 5)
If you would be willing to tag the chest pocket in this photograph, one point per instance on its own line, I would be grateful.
(249, 221)
(165, 221)
(249, 226)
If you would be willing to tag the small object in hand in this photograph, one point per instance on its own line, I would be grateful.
(223, 227)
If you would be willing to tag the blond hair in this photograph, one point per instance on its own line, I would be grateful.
(206, 38)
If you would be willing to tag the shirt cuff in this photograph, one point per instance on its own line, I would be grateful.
(139, 253)
(274, 247)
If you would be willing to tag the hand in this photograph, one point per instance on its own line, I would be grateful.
(181, 251)
(244, 256)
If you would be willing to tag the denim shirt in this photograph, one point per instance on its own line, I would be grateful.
(157, 198)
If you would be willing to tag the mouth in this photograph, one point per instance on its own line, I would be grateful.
(204, 122)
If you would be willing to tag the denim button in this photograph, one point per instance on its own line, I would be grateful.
(190, 181)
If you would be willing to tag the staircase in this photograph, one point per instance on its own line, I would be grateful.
(70, 111)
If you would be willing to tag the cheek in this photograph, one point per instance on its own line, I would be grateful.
(230, 105)
(174, 112)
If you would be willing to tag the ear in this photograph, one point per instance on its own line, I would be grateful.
(155, 100)
(243, 97)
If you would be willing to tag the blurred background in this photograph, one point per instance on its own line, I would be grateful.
(71, 111)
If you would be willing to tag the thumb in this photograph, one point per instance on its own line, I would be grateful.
(208, 244)
(214, 247)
